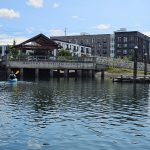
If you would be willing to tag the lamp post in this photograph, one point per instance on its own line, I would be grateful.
(145, 64)
(135, 63)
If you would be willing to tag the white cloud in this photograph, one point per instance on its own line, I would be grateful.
(147, 33)
(103, 26)
(75, 17)
(73, 33)
(9, 13)
(56, 5)
(8, 40)
(35, 3)
(60, 32)
(57, 32)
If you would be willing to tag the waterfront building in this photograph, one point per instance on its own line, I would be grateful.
(74, 49)
(3, 50)
(38, 45)
(125, 41)
(99, 43)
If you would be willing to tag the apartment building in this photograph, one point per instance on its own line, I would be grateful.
(100, 43)
(3, 49)
(125, 41)
(74, 49)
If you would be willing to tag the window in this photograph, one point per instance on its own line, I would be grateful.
(74, 48)
(81, 42)
(104, 40)
(118, 51)
(87, 50)
(132, 38)
(112, 45)
(118, 45)
(99, 44)
(82, 51)
(125, 45)
(119, 39)
(112, 40)
(92, 40)
(124, 52)
(104, 51)
(98, 40)
(125, 39)
(105, 46)
(112, 51)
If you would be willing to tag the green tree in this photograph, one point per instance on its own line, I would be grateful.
(64, 53)
(13, 53)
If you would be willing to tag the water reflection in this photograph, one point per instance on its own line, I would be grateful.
(75, 114)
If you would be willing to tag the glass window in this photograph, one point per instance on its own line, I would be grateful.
(67, 46)
(104, 45)
(87, 50)
(104, 40)
(124, 52)
(125, 45)
(119, 45)
(119, 39)
(74, 48)
(99, 44)
(104, 51)
(82, 51)
(125, 39)
(118, 51)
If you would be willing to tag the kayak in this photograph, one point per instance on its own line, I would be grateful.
(13, 80)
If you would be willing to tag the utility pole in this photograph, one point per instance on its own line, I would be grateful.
(65, 31)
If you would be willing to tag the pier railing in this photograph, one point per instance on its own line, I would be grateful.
(51, 64)
(50, 58)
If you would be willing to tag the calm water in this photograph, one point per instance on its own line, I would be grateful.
(74, 115)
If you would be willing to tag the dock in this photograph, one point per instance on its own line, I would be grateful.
(130, 79)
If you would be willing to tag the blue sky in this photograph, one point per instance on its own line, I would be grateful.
(22, 19)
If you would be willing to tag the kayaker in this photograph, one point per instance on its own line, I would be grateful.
(12, 75)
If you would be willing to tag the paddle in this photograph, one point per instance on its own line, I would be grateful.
(17, 72)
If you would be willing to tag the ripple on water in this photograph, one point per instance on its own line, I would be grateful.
(74, 115)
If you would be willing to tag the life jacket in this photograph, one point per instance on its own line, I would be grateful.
(12, 76)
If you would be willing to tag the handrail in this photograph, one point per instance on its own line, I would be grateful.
(52, 58)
